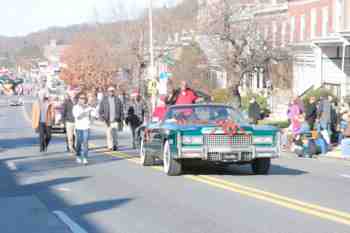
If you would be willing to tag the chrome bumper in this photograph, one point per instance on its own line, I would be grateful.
(239, 153)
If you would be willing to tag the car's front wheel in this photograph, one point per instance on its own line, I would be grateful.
(172, 167)
(261, 166)
(146, 158)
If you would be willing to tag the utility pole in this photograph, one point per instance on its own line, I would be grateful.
(151, 52)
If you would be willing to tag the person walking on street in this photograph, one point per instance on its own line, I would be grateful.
(43, 116)
(254, 111)
(133, 121)
(83, 114)
(140, 108)
(111, 112)
(69, 121)
(311, 112)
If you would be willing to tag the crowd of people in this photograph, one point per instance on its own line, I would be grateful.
(317, 126)
(111, 106)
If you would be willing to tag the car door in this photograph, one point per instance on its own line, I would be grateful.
(155, 138)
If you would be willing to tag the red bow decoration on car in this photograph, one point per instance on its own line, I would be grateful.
(229, 127)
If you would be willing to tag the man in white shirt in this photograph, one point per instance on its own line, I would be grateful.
(82, 113)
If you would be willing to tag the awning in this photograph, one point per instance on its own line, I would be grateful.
(345, 35)
(333, 40)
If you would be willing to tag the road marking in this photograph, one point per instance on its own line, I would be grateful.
(345, 176)
(300, 206)
(74, 227)
(11, 165)
(61, 189)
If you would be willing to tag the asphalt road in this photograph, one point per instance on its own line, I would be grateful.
(114, 194)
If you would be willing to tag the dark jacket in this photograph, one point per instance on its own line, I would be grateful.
(105, 114)
(254, 111)
(311, 113)
(132, 119)
(68, 111)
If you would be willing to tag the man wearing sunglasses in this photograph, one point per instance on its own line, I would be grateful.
(111, 112)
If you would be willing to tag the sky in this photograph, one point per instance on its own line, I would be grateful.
(21, 17)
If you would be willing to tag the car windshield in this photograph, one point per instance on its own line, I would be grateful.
(203, 114)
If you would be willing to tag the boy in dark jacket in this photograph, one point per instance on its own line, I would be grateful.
(133, 121)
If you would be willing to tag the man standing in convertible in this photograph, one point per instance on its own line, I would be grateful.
(184, 95)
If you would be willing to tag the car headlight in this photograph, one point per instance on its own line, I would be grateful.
(263, 140)
(192, 139)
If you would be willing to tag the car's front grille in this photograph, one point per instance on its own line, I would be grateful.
(224, 140)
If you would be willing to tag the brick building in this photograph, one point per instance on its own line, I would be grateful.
(319, 33)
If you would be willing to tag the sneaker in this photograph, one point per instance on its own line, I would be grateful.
(79, 160)
(85, 161)
(115, 148)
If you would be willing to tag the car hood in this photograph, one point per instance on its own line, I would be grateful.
(212, 127)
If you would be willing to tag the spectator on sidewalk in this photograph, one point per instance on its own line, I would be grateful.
(236, 97)
(311, 112)
(254, 111)
(111, 112)
(345, 142)
(83, 114)
(133, 121)
(325, 112)
(43, 116)
(69, 120)
(294, 112)
(300, 104)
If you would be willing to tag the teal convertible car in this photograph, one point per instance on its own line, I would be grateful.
(208, 132)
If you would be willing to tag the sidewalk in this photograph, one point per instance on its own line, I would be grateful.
(28, 214)
(336, 154)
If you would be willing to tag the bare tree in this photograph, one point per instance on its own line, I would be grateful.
(245, 49)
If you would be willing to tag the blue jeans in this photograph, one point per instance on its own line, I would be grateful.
(326, 126)
(82, 143)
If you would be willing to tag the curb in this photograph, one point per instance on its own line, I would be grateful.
(336, 157)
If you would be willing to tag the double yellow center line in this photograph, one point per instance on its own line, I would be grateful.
(300, 206)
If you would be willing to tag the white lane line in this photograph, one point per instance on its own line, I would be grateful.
(74, 227)
(61, 189)
(345, 176)
(11, 165)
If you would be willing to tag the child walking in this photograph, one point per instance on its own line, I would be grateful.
(133, 121)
